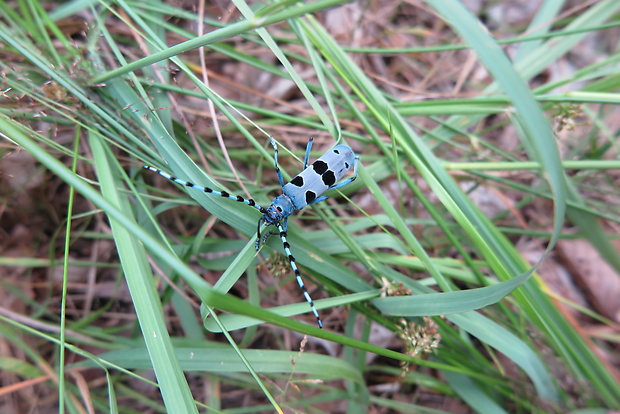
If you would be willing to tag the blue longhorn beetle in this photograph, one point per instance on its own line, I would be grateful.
(306, 188)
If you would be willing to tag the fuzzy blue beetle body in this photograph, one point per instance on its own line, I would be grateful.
(321, 176)
(306, 188)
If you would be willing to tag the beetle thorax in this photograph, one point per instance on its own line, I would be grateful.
(281, 207)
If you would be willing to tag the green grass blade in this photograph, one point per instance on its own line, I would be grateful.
(173, 384)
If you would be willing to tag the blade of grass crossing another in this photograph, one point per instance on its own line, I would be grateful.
(173, 384)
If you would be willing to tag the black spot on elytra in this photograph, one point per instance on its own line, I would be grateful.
(320, 167)
(310, 197)
(298, 181)
(336, 151)
(329, 178)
